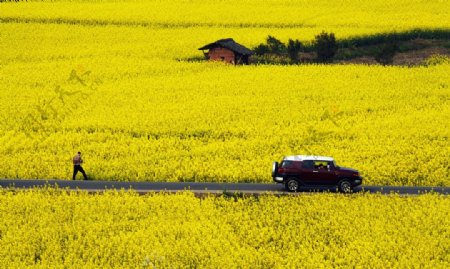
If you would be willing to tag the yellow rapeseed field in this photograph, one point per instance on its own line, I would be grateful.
(110, 79)
(58, 229)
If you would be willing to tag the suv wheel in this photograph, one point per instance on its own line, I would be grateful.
(345, 186)
(292, 185)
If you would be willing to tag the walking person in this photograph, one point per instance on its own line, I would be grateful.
(77, 161)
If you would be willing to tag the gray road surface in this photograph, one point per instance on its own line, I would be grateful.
(204, 188)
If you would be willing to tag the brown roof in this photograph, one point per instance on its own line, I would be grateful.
(230, 44)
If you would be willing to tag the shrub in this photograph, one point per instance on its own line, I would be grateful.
(437, 59)
(386, 54)
(293, 49)
(272, 46)
(261, 49)
(326, 46)
(275, 45)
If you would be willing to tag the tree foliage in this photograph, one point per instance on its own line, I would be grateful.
(293, 48)
(326, 46)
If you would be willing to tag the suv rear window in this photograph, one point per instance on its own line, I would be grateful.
(287, 164)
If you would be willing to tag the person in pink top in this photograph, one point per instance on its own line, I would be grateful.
(77, 161)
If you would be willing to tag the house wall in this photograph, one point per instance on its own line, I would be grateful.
(221, 54)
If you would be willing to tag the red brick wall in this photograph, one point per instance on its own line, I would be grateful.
(221, 54)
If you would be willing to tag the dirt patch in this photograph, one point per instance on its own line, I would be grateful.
(410, 53)
(417, 57)
(359, 60)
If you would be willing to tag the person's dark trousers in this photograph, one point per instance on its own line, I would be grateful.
(77, 168)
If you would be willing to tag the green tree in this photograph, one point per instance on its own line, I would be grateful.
(326, 46)
(261, 49)
(293, 49)
(275, 46)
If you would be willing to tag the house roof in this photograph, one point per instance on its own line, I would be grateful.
(230, 44)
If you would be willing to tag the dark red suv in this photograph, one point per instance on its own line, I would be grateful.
(303, 170)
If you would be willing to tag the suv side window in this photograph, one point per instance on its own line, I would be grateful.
(308, 164)
(313, 164)
(320, 164)
(323, 165)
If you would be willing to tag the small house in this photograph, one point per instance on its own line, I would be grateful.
(227, 50)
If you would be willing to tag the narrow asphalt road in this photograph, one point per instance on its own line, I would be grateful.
(203, 188)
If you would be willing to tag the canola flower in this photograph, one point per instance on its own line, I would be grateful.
(389, 123)
(110, 78)
(142, 114)
(350, 15)
(54, 228)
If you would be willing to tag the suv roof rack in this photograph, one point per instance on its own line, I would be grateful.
(307, 157)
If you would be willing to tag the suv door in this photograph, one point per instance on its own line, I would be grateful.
(307, 174)
(316, 172)
(326, 173)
